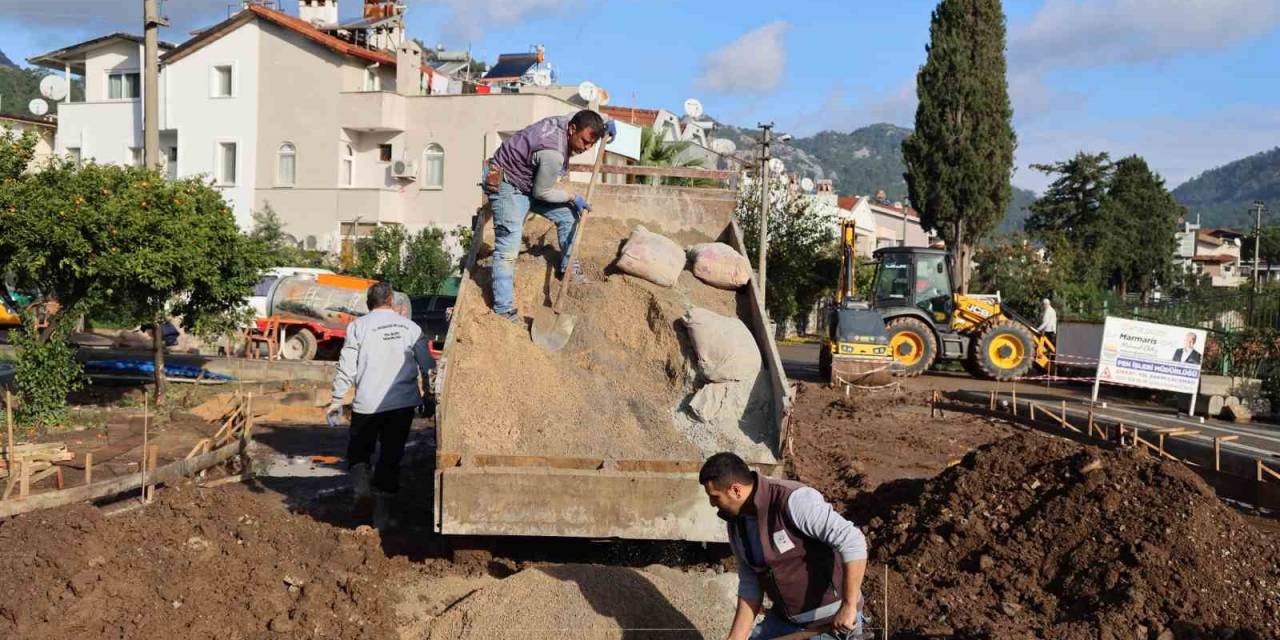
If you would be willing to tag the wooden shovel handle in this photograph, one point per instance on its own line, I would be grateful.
(577, 234)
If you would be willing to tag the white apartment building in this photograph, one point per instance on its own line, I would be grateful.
(335, 137)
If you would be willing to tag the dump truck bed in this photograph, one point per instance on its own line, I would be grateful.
(597, 440)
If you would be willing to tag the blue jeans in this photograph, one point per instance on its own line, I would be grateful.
(775, 626)
(509, 207)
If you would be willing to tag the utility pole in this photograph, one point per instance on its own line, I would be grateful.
(1258, 208)
(906, 206)
(151, 23)
(766, 139)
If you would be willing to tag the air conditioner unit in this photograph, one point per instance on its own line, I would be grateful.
(404, 169)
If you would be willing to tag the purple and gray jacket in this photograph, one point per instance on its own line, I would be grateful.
(516, 156)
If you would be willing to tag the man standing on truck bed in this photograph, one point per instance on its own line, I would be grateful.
(382, 356)
(523, 176)
(788, 541)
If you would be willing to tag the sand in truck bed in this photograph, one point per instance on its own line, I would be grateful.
(618, 388)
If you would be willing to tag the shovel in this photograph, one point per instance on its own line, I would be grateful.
(551, 328)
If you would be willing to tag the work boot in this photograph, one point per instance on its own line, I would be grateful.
(383, 511)
(575, 272)
(361, 487)
(513, 317)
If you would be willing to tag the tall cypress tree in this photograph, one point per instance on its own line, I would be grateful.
(960, 157)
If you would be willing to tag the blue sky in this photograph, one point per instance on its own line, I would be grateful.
(1188, 84)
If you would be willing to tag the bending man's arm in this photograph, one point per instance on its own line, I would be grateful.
(750, 599)
(815, 518)
(546, 179)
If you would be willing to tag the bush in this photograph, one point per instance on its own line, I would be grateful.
(47, 372)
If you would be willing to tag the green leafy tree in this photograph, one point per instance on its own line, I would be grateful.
(1141, 217)
(16, 152)
(1068, 218)
(1017, 269)
(655, 152)
(46, 371)
(1270, 246)
(960, 157)
(282, 248)
(415, 264)
(801, 245)
(127, 240)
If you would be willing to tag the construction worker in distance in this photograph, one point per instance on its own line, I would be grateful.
(1048, 321)
(524, 176)
(382, 356)
(787, 539)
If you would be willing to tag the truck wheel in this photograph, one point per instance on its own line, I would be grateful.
(1005, 350)
(913, 345)
(301, 344)
(824, 362)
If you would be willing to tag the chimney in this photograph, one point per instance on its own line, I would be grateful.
(408, 68)
(318, 12)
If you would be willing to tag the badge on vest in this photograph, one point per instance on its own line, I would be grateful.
(782, 541)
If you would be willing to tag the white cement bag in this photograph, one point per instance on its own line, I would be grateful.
(724, 346)
(651, 256)
(720, 265)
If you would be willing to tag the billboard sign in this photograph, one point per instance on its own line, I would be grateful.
(1154, 356)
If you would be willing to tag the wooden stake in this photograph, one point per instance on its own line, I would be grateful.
(1264, 468)
(886, 602)
(1032, 407)
(25, 484)
(1014, 393)
(142, 468)
(8, 418)
(1091, 423)
(1217, 450)
(992, 404)
(88, 468)
(149, 491)
(1161, 443)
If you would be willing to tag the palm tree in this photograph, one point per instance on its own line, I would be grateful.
(655, 152)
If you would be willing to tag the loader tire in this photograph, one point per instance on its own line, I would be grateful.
(913, 345)
(1004, 350)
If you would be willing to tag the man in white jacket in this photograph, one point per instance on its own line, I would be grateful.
(382, 356)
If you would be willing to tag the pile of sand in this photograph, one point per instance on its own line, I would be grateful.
(618, 387)
(597, 603)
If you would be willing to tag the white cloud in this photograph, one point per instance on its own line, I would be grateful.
(469, 19)
(841, 112)
(754, 63)
(1179, 148)
(1072, 33)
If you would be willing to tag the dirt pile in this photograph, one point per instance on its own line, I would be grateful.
(594, 602)
(614, 391)
(216, 563)
(1034, 536)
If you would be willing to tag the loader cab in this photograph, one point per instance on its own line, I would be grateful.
(914, 278)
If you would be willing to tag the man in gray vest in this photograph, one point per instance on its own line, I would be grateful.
(791, 545)
(382, 356)
(524, 176)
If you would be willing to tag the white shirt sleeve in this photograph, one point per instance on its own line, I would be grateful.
(815, 518)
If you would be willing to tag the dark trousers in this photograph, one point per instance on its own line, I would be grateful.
(391, 430)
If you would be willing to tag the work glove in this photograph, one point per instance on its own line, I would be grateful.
(333, 415)
(580, 204)
(611, 128)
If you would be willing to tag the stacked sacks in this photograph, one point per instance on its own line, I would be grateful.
(720, 265)
(660, 260)
(728, 359)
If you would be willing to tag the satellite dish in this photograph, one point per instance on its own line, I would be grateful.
(542, 78)
(723, 146)
(38, 107)
(776, 166)
(587, 90)
(53, 88)
(602, 97)
(806, 184)
(693, 108)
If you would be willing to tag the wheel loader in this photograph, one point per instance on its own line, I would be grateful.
(927, 321)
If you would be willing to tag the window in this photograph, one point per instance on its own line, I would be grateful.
(433, 167)
(123, 86)
(287, 165)
(371, 80)
(171, 162)
(347, 179)
(223, 82)
(384, 153)
(135, 156)
(227, 163)
(73, 154)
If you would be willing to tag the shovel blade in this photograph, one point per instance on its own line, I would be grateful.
(551, 330)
